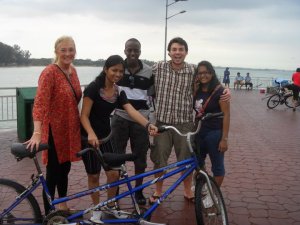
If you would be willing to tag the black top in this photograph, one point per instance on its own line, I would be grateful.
(213, 106)
(101, 110)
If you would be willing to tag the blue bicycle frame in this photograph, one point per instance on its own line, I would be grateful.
(185, 166)
(188, 165)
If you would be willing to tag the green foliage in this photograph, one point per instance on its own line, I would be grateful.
(10, 56)
(15, 56)
(40, 62)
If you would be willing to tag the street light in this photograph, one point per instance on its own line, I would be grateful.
(166, 21)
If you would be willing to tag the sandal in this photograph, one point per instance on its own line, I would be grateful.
(153, 199)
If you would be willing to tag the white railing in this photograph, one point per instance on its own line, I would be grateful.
(258, 82)
(8, 105)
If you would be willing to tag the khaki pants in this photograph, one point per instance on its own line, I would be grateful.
(164, 143)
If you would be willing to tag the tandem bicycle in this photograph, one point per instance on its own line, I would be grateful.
(19, 206)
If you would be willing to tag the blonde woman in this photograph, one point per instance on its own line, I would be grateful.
(56, 118)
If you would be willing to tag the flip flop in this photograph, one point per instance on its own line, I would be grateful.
(189, 199)
(153, 199)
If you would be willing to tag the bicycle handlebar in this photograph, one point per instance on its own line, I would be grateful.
(205, 117)
(102, 141)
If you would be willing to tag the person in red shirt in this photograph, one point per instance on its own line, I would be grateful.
(56, 118)
(296, 87)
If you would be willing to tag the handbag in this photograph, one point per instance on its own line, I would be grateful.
(202, 110)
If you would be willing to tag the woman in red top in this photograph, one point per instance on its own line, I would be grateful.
(56, 118)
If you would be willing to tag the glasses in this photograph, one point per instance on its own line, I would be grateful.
(131, 81)
(204, 73)
(67, 50)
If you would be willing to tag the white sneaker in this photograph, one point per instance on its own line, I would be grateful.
(115, 211)
(206, 199)
(96, 217)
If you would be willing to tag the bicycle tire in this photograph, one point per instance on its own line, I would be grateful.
(27, 210)
(289, 101)
(209, 214)
(273, 101)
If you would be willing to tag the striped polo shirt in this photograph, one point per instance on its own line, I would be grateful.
(136, 87)
(174, 93)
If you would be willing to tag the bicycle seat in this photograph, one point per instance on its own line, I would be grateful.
(115, 159)
(20, 151)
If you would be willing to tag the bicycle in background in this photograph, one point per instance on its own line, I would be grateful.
(19, 206)
(282, 96)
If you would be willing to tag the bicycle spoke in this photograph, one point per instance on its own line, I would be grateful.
(23, 213)
(209, 211)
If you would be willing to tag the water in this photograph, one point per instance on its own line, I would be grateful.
(11, 77)
(28, 76)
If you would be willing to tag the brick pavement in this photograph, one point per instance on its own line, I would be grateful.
(263, 168)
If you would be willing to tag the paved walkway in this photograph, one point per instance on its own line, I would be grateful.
(263, 168)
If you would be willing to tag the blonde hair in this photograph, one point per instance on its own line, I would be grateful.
(60, 40)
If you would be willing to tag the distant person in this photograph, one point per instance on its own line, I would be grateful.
(56, 102)
(101, 98)
(136, 82)
(226, 78)
(212, 138)
(295, 87)
(173, 82)
(248, 82)
(239, 81)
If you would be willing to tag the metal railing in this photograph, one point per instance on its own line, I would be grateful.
(8, 105)
(258, 82)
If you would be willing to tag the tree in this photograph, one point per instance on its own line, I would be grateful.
(6, 54)
(13, 55)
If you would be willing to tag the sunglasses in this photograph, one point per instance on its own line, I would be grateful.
(131, 81)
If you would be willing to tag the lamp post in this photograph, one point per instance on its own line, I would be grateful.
(166, 21)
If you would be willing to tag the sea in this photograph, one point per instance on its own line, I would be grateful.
(13, 77)
(28, 76)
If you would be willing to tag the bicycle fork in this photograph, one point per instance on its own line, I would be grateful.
(210, 190)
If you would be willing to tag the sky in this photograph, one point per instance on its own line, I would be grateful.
(262, 34)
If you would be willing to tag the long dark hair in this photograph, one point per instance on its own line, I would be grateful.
(110, 61)
(214, 79)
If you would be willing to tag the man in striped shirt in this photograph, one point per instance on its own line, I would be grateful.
(136, 81)
(173, 82)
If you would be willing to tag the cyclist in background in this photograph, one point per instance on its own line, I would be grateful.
(295, 87)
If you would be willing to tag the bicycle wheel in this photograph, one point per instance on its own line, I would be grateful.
(273, 101)
(207, 212)
(26, 212)
(289, 101)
